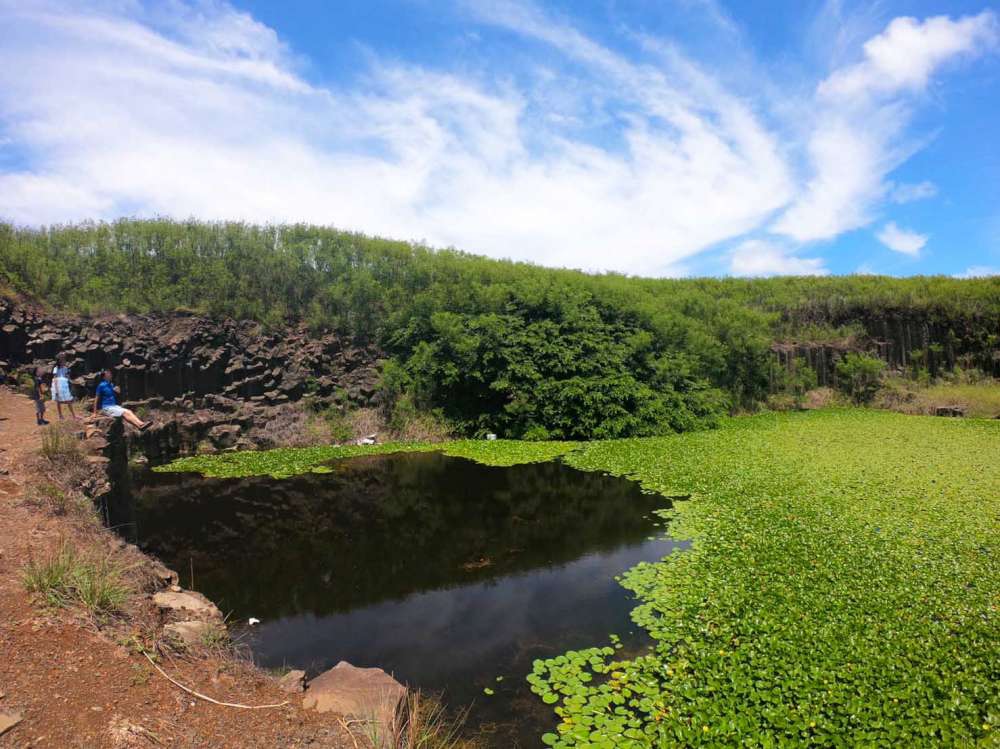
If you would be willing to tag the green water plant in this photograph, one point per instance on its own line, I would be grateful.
(286, 462)
(842, 589)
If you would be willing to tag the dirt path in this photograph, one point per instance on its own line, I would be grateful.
(74, 684)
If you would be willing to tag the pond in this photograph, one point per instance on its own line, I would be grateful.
(451, 575)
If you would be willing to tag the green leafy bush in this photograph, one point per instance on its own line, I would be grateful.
(860, 376)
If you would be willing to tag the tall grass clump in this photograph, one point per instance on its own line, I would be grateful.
(69, 578)
(423, 723)
(60, 445)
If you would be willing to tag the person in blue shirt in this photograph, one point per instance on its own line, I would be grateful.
(106, 401)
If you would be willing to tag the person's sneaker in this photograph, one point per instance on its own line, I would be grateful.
(42, 422)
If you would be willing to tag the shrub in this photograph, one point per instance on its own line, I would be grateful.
(859, 376)
(794, 382)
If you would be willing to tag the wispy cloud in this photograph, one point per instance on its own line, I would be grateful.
(901, 240)
(910, 192)
(603, 159)
(862, 112)
(978, 271)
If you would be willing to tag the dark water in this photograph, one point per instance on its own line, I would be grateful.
(444, 572)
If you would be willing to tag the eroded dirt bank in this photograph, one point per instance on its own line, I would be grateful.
(71, 679)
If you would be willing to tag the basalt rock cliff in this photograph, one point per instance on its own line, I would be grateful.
(207, 379)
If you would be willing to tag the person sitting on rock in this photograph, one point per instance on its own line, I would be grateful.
(106, 401)
(61, 392)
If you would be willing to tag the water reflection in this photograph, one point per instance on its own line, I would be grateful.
(442, 571)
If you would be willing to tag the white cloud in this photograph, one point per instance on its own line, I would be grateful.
(202, 113)
(756, 257)
(901, 240)
(859, 132)
(978, 271)
(197, 109)
(908, 192)
(904, 56)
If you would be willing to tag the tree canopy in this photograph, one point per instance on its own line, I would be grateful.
(496, 345)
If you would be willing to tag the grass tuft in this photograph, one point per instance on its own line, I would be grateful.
(67, 578)
(423, 724)
(60, 444)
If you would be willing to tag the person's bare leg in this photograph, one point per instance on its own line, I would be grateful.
(134, 420)
(59, 409)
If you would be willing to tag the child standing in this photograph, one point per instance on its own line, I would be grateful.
(61, 392)
(38, 395)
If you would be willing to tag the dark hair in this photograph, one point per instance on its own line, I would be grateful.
(61, 357)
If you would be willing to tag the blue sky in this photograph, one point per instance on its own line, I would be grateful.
(654, 137)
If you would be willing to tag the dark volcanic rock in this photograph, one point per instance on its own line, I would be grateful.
(196, 373)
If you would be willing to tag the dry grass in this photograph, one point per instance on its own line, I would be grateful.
(291, 426)
(365, 421)
(296, 425)
(821, 398)
(978, 400)
(58, 501)
(61, 445)
(421, 428)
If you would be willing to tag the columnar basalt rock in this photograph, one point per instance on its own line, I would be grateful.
(209, 380)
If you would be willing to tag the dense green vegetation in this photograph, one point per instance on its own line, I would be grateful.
(843, 589)
(498, 346)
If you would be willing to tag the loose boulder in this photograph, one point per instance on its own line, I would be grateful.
(360, 693)
(185, 603)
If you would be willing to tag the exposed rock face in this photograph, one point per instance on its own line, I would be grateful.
(208, 381)
(362, 693)
(902, 340)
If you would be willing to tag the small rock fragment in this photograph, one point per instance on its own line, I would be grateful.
(293, 682)
(8, 721)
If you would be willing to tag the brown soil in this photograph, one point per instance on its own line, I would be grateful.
(82, 683)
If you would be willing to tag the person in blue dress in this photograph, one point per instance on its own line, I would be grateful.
(106, 402)
(62, 394)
